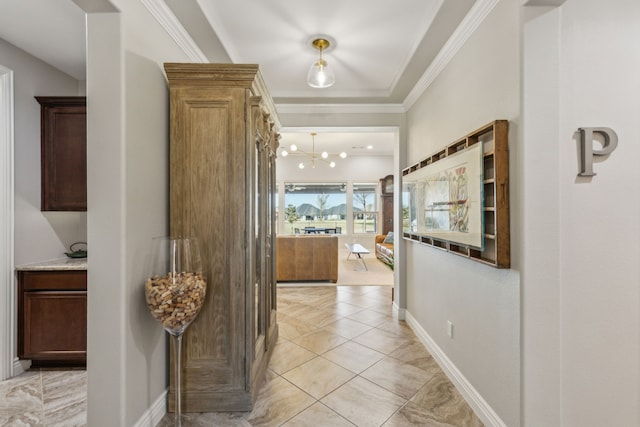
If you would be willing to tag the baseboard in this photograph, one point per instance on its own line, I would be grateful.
(20, 366)
(484, 411)
(155, 413)
(401, 312)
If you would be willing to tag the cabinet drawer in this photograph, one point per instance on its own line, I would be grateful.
(53, 280)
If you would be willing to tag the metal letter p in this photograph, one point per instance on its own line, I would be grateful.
(586, 147)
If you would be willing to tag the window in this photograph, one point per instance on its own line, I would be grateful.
(315, 207)
(365, 208)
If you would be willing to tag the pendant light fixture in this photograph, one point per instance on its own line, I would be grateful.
(313, 156)
(320, 74)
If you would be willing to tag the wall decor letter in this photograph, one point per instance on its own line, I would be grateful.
(610, 142)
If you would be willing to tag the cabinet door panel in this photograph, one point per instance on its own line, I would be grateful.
(214, 344)
(63, 153)
(55, 325)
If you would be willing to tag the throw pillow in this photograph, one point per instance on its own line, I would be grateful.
(389, 238)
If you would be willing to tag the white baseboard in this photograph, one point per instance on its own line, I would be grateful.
(20, 366)
(155, 413)
(484, 411)
(401, 312)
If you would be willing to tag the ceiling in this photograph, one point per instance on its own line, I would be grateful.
(373, 41)
(53, 31)
(381, 48)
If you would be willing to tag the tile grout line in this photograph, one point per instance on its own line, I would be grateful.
(42, 396)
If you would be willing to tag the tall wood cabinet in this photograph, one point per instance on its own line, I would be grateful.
(222, 184)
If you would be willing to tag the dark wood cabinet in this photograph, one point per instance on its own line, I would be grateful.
(63, 153)
(386, 187)
(52, 317)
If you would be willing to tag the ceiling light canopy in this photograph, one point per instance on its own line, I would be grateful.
(312, 156)
(320, 74)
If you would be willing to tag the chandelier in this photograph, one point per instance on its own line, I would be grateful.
(312, 156)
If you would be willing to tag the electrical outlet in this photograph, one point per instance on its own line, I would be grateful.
(449, 329)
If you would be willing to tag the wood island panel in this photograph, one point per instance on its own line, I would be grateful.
(52, 317)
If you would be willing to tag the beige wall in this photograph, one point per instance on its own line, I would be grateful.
(38, 235)
(128, 143)
(480, 84)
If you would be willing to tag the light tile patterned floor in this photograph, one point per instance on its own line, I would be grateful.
(342, 359)
(48, 398)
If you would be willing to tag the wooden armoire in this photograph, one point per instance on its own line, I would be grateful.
(386, 190)
(222, 191)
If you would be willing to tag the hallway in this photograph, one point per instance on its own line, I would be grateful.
(342, 359)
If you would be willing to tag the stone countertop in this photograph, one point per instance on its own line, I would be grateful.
(55, 264)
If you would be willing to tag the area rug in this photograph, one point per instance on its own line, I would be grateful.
(351, 272)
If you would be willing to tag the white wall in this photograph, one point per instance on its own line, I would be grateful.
(480, 84)
(581, 326)
(39, 235)
(128, 164)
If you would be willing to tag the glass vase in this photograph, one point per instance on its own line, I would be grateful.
(175, 290)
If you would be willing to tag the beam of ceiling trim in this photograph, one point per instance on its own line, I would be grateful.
(413, 50)
(543, 2)
(340, 109)
(173, 27)
(474, 18)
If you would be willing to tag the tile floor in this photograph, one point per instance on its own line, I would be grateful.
(342, 359)
(47, 398)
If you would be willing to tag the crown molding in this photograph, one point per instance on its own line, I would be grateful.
(555, 3)
(340, 108)
(173, 27)
(469, 24)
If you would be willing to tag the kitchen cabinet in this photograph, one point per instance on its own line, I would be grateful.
(63, 155)
(52, 317)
